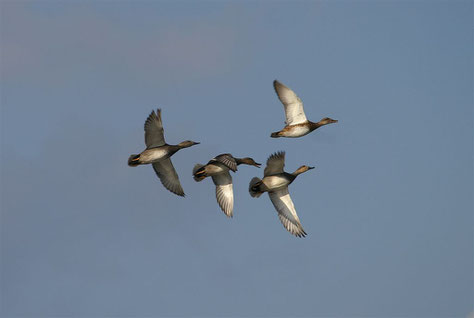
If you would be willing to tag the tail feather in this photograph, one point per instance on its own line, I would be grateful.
(254, 187)
(199, 173)
(275, 134)
(133, 160)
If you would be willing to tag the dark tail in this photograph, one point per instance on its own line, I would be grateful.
(254, 187)
(133, 160)
(275, 134)
(199, 173)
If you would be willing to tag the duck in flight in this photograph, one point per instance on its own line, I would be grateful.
(218, 168)
(158, 153)
(276, 182)
(296, 123)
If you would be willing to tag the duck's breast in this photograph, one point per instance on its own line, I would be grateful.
(296, 130)
(275, 182)
(214, 169)
(153, 154)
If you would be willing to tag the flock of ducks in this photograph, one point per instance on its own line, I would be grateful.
(275, 180)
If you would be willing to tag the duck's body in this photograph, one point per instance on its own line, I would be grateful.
(218, 168)
(158, 153)
(297, 125)
(155, 154)
(293, 131)
(276, 182)
(300, 130)
(211, 169)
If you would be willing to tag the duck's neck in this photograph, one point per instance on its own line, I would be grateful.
(184, 144)
(291, 176)
(299, 171)
(173, 149)
(295, 174)
(244, 161)
(313, 125)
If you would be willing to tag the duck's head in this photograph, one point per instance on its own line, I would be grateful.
(327, 120)
(302, 169)
(187, 143)
(249, 161)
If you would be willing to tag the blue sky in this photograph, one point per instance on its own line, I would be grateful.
(388, 209)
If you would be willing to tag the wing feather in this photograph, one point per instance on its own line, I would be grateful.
(169, 178)
(275, 164)
(154, 133)
(294, 111)
(227, 160)
(224, 192)
(286, 211)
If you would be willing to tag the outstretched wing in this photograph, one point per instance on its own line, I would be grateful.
(154, 134)
(165, 171)
(294, 111)
(224, 192)
(227, 160)
(275, 164)
(286, 211)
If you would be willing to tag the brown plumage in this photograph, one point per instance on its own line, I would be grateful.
(158, 153)
(218, 168)
(275, 182)
(297, 125)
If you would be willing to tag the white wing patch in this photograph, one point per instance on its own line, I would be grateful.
(224, 192)
(286, 212)
(294, 111)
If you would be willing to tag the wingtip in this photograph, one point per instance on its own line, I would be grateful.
(181, 194)
(300, 234)
(275, 84)
(178, 193)
(280, 153)
(229, 214)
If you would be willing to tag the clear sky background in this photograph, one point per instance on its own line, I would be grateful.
(388, 209)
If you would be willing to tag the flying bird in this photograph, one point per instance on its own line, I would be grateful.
(296, 123)
(218, 168)
(276, 182)
(158, 153)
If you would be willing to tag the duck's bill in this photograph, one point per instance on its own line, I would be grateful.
(257, 165)
(309, 168)
(332, 121)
